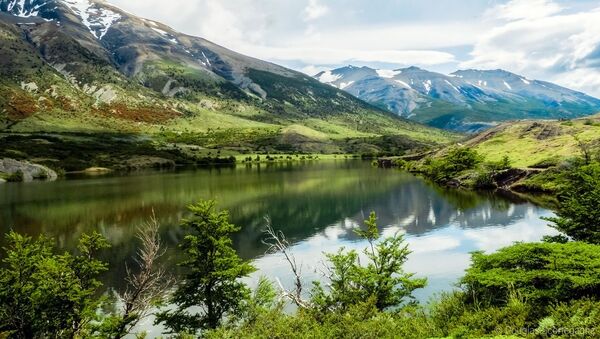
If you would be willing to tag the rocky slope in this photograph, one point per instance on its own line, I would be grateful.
(87, 66)
(467, 100)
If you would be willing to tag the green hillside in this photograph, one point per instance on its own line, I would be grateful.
(52, 88)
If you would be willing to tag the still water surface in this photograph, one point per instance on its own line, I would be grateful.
(316, 204)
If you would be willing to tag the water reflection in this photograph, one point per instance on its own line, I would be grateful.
(316, 204)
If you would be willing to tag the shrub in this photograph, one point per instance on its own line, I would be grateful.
(382, 277)
(457, 160)
(47, 294)
(579, 208)
(577, 319)
(17, 176)
(543, 273)
(484, 179)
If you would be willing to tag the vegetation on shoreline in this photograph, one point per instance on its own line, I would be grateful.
(527, 290)
(524, 157)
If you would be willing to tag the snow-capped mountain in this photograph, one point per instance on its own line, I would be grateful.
(115, 58)
(467, 100)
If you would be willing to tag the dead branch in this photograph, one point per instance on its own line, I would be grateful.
(150, 284)
(277, 243)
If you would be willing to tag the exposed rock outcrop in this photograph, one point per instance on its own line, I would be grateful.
(28, 171)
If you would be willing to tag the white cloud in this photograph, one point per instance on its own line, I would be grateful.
(314, 10)
(523, 9)
(554, 47)
(536, 38)
(330, 56)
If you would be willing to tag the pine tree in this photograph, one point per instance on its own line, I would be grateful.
(211, 288)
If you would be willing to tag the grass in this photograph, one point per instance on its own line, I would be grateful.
(521, 143)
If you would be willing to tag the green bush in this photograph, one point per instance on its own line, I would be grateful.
(579, 208)
(484, 179)
(577, 319)
(457, 160)
(543, 273)
(17, 176)
(47, 294)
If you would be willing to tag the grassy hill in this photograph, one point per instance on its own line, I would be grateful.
(531, 143)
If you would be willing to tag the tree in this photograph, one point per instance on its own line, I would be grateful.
(45, 294)
(542, 273)
(457, 159)
(147, 286)
(578, 215)
(213, 272)
(382, 279)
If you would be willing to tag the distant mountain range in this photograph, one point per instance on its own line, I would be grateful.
(466, 100)
(85, 65)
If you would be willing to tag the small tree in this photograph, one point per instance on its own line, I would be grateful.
(382, 279)
(457, 159)
(579, 208)
(210, 290)
(45, 294)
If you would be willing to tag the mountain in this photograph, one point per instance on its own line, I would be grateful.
(87, 66)
(466, 100)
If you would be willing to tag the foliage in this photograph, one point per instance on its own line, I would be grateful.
(542, 273)
(362, 320)
(46, 294)
(453, 316)
(502, 164)
(445, 168)
(17, 176)
(579, 209)
(382, 279)
(213, 269)
(484, 179)
(576, 319)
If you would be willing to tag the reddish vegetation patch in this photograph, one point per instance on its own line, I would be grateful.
(21, 106)
(139, 114)
(66, 104)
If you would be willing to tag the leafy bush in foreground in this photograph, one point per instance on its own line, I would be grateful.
(542, 273)
(579, 209)
(47, 294)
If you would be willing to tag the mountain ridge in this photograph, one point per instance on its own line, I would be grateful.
(467, 100)
(87, 66)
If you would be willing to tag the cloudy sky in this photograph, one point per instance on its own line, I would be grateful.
(552, 40)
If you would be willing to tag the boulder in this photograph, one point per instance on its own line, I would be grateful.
(29, 170)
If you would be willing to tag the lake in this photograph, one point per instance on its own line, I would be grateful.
(316, 204)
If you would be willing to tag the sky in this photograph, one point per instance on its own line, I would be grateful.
(553, 40)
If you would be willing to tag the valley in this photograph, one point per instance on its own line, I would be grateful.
(211, 169)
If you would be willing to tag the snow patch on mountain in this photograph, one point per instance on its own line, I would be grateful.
(23, 11)
(451, 85)
(327, 77)
(346, 84)
(427, 85)
(97, 19)
(404, 84)
(387, 73)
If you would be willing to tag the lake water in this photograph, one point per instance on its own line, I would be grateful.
(316, 204)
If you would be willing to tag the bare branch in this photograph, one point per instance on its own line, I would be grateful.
(151, 283)
(277, 243)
